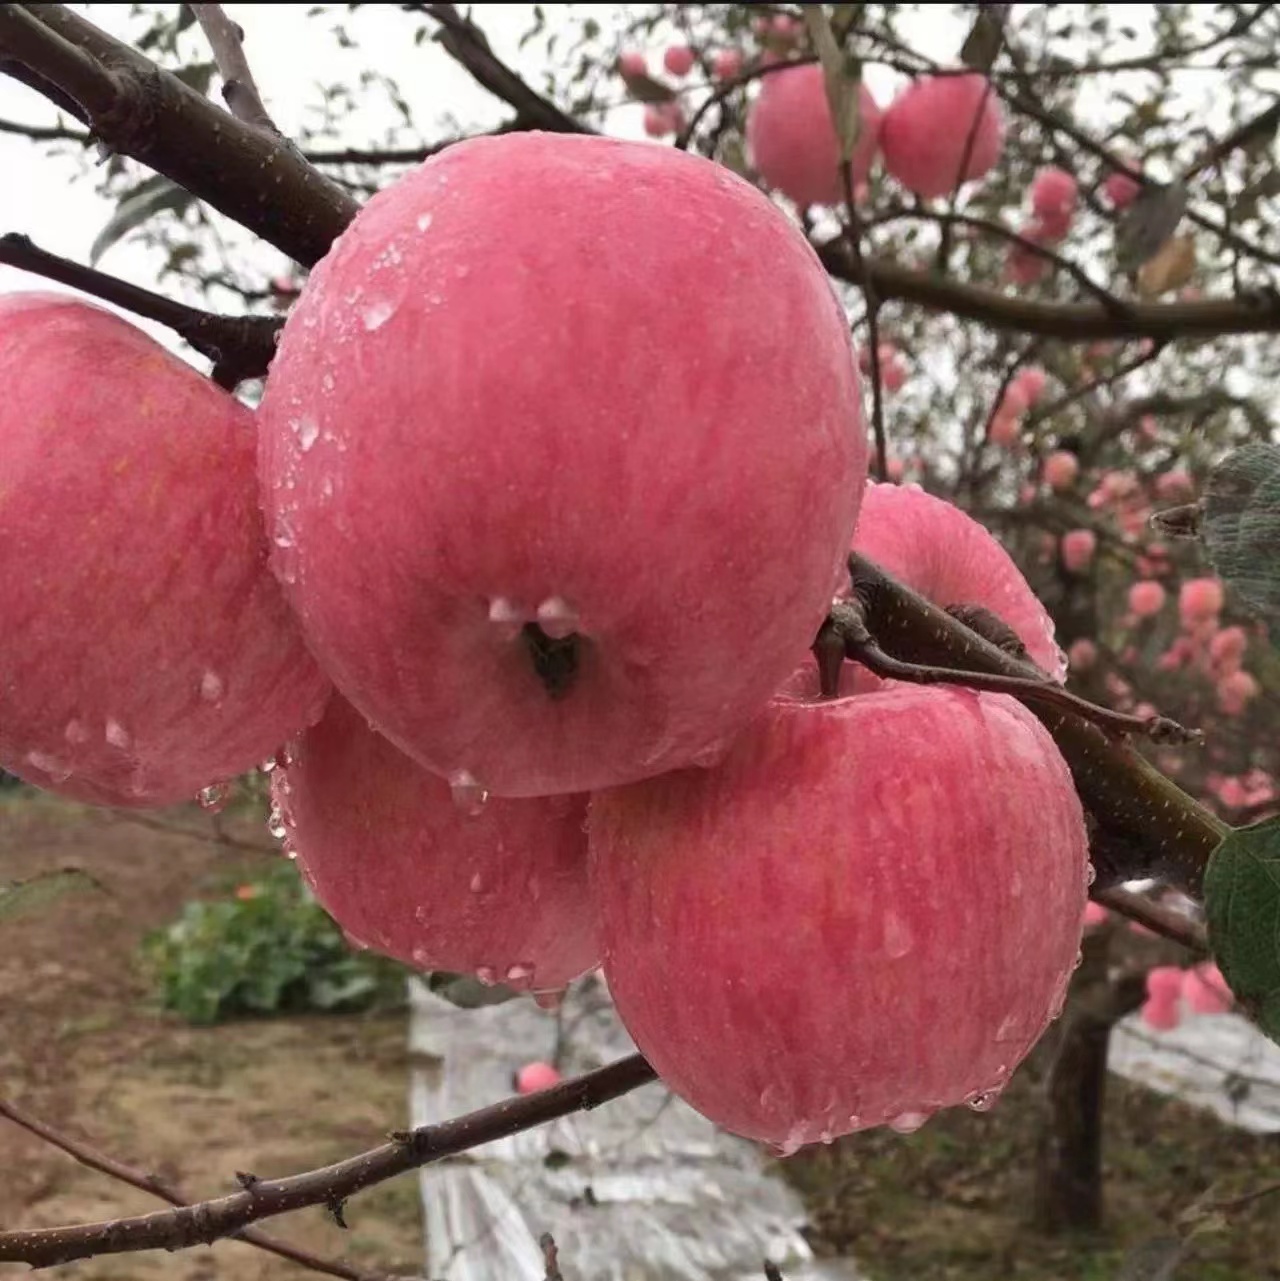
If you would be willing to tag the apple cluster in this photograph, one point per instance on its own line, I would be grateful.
(554, 480)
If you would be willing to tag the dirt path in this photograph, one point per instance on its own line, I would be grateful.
(81, 1047)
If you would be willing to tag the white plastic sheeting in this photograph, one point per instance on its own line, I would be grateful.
(642, 1189)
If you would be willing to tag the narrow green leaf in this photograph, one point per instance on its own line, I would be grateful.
(1241, 525)
(646, 89)
(1242, 905)
(149, 198)
(39, 891)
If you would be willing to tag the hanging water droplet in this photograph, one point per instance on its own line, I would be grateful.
(1090, 873)
(50, 765)
(487, 975)
(214, 797)
(276, 824)
(982, 1100)
(424, 221)
(521, 972)
(421, 958)
(117, 735)
(268, 765)
(283, 540)
(897, 936)
(477, 883)
(468, 794)
(76, 732)
(557, 617)
(908, 1122)
(376, 315)
(1079, 961)
(290, 853)
(308, 433)
(211, 687)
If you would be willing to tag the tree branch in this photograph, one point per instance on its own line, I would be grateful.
(239, 89)
(1170, 833)
(240, 346)
(1155, 916)
(144, 112)
(166, 1191)
(208, 1221)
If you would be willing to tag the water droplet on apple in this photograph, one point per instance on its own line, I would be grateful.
(1090, 874)
(76, 732)
(468, 794)
(897, 936)
(424, 221)
(327, 382)
(521, 972)
(49, 765)
(506, 615)
(487, 975)
(421, 958)
(117, 735)
(376, 315)
(268, 765)
(550, 1000)
(211, 687)
(557, 617)
(982, 1100)
(477, 883)
(276, 825)
(214, 797)
(908, 1122)
(1008, 1029)
(308, 433)
(1079, 961)
(353, 942)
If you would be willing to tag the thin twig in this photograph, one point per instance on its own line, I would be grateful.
(550, 1257)
(239, 89)
(208, 1221)
(1159, 919)
(166, 1191)
(240, 347)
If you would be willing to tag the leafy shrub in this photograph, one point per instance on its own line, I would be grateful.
(269, 948)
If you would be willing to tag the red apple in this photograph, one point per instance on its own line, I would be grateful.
(1061, 469)
(1054, 193)
(553, 409)
(1146, 599)
(926, 131)
(1078, 548)
(146, 651)
(793, 142)
(534, 1077)
(869, 910)
(441, 878)
(678, 59)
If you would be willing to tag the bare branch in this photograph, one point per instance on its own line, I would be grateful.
(239, 89)
(1155, 916)
(208, 1221)
(240, 346)
(166, 1191)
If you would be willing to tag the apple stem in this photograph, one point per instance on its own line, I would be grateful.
(554, 658)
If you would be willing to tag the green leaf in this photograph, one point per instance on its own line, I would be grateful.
(646, 89)
(155, 195)
(39, 891)
(1242, 905)
(1241, 525)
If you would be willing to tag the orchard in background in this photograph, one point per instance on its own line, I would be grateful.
(562, 450)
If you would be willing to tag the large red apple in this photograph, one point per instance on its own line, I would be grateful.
(554, 417)
(793, 142)
(145, 650)
(439, 879)
(868, 911)
(926, 131)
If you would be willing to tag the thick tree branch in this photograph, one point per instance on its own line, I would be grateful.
(146, 113)
(259, 1199)
(239, 89)
(166, 1191)
(1072, 322)
(1171, 834)
(240, 346)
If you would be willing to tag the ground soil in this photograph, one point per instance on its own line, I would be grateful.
(83, 1047)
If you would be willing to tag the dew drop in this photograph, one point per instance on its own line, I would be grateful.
(521, 972)
(308, 433)
(557, 617)
(268, 765)
(49, 765)
(424, 221)
(908, 1122)
(327, 382)
(211, 687)
(506, 615)
(792, 1144)
(214, 797)
(117, 735)
(477, 883)
(1090, 873)
(377, 315)
(487, 975)
(421, 958)
(982, 1100)
(1008, 1029)
(1079, 961)
(276, 824)
(76, 732)
(897, 936)
(468, 795)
